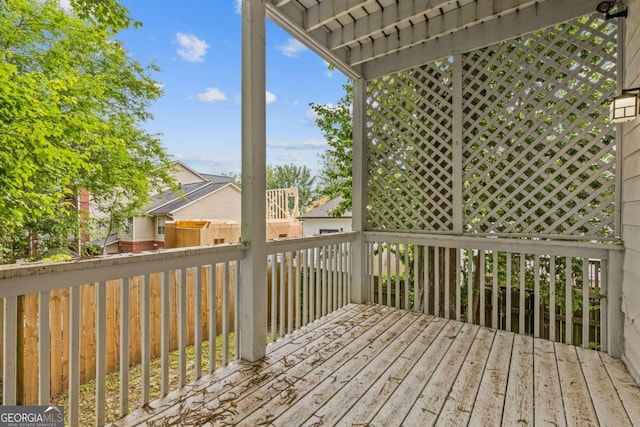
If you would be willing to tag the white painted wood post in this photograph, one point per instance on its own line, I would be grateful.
(253, 270)
(44, 344)
(613, 282)
(101, 352)
(9, 350)
(457, 136)
(359, 255)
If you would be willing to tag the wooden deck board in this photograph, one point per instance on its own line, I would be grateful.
(324, 378)
(487, 410)
(459, 404)
(397, 374)
(380, 370)
(430, 402)
(405, 395)
(549, 409)
(578, 407)
(603, 394)
(625, 385)
(519, 401)
(373, 365)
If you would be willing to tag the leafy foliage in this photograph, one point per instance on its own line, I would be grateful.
(71, 106)
(335, 177)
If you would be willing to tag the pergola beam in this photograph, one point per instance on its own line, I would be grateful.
(383, 20)
(505, 27)
(291, 19)
(280, 3)
(329, 10)
(423, 29)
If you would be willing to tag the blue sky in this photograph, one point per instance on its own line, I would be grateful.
(197, 44)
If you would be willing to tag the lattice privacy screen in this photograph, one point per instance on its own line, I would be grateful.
(538, 153)
(410, 177)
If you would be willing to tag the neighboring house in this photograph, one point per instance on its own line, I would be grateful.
(200, 196)
(320, 221)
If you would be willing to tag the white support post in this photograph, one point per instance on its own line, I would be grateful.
(9, 351)
(253, 285)
(613, 293)
(457, 137)
(359, 281)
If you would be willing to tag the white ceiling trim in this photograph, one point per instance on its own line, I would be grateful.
(505, 27)
(372, 38)
(383, 20)
(290, 18)
(328, 10)
(459, 19)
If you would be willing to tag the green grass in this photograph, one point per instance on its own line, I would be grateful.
(112, 392)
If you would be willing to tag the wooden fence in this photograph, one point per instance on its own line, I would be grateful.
(59, 321)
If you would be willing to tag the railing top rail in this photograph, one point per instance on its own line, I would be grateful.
(296, 243)
(24, 279)
(542, 247)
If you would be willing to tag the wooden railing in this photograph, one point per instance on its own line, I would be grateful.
(79, 320)
(311, 278)
(562, 291)
(70, 323)
(75, 321)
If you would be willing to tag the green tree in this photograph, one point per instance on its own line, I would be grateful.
(335, 122)
(71, 107)
(289, 176)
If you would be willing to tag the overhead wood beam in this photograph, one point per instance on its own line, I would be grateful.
(280, 3)
(503, 28)
(383, 20)
(290, 19)
(329, 10)
(462, 18)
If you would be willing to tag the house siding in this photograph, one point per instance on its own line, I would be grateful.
(223, 204)
(145, 228)
(630, 146)
(312, 226)
(185, 176)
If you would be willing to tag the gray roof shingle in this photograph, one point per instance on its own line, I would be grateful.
(173, 201)
(325, 209)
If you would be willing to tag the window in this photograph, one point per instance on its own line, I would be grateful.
(128, 227)
(329, 230)
(160, 225)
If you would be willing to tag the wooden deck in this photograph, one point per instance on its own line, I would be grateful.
(374, 365)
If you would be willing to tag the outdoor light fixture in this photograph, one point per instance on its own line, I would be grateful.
(606, 6)
(624, 107)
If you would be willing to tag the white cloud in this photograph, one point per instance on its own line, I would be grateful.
(311, 116)
(238, 6)
(212, 94)
(286, 157)
(191, 48)
(292, 48)
(270, 97)
(300, 144)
